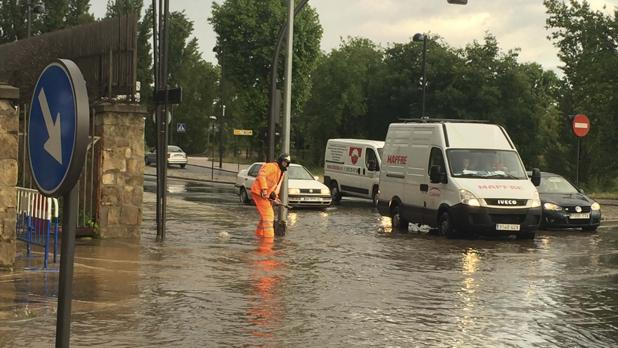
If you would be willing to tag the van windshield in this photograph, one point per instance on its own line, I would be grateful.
(478, 163)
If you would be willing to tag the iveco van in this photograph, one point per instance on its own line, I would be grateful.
(457, 176)
(352, 168)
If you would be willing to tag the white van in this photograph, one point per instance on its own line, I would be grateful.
(352, 168)
(459, 176)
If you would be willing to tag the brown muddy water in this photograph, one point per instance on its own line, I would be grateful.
(339, 278)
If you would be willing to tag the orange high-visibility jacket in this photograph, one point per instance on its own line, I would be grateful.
(269, 179)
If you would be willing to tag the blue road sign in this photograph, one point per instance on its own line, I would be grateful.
(181, 127)
(58, 127)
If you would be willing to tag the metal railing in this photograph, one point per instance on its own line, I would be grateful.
(37, 220)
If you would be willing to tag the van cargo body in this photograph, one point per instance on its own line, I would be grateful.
(460, 177)
(352, 168)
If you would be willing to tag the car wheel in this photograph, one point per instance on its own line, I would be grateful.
(375, 196)
(147, 162)
(244, 197)
(334, 192)
(183, 166)
(590, 228)
(445, 225)
(397, 221)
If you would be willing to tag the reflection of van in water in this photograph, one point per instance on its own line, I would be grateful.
(461, 177)
(352, 168)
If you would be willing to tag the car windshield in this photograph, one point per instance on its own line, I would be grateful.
(555, 184)
(172, 148)
(299, 173)
(480, 163)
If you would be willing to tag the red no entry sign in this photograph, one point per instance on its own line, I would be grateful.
(580, 125)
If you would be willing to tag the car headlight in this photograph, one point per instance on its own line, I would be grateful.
(595, 206)
(325, 191)
(293, 191)
(468, 198)
(551, 206)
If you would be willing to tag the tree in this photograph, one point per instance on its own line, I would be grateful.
(59, 14)
(246, 37)
(588, 46)
(338, 103)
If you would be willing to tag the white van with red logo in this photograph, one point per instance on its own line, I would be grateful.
(352, 168)
(461, 177)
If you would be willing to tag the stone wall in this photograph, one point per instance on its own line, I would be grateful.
(119, 175)
(9, 125)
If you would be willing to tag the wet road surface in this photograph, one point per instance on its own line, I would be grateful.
(339, 278)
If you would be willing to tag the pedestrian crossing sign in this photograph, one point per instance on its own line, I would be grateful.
(181, 127)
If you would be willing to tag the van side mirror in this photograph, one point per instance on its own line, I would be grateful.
(436, 175)
(581, 190)
(372, 165)
(536, 176)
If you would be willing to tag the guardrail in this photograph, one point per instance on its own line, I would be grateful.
(37, 220)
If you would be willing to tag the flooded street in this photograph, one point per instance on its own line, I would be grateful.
(339, 278)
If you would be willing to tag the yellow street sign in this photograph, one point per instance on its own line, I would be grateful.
(243, 132)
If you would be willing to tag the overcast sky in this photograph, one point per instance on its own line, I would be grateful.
(515, 23)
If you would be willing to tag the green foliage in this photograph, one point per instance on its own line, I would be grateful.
(247, 32)
(58, 14)
(588, 44)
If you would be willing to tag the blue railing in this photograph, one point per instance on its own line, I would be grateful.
(37, 221)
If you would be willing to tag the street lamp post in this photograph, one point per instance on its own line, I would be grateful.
(422, 37)
(38, 8)
(221, 137)
(212, 149)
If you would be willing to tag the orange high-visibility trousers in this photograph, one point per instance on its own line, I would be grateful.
(265, 227)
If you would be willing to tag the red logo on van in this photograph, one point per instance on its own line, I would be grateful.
(355, 153)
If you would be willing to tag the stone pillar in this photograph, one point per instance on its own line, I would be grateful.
(119, 174)
(9, 128)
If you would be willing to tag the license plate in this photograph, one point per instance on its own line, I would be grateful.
(310, 198)
(579, 216)
(507, 227)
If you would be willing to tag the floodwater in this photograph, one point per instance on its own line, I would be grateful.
(339, 278)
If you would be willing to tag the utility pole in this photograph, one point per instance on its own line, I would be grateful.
(283, 215)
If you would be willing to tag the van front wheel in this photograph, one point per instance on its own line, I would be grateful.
(446, 226)
(334, 192)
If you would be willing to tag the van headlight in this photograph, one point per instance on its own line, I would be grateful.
(325, 191)
(595, 206)
(535, 202)
(293, 191)
(551, 206)
(468, 198)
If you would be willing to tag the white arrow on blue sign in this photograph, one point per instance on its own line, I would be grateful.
(181, 127)
(58, 127)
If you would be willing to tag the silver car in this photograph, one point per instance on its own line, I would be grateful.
(175, 155)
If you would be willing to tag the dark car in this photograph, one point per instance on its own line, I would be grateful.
(565, 206)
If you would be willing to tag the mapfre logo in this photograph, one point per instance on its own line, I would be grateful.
(396, 159)
(355, 153)
(507, 202)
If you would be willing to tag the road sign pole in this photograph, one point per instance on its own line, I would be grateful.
(67, 253)
(57, 142)
(579, 139)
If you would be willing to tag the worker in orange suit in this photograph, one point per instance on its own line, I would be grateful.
(265, 189)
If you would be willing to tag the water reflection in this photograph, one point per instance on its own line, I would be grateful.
(265, 314)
